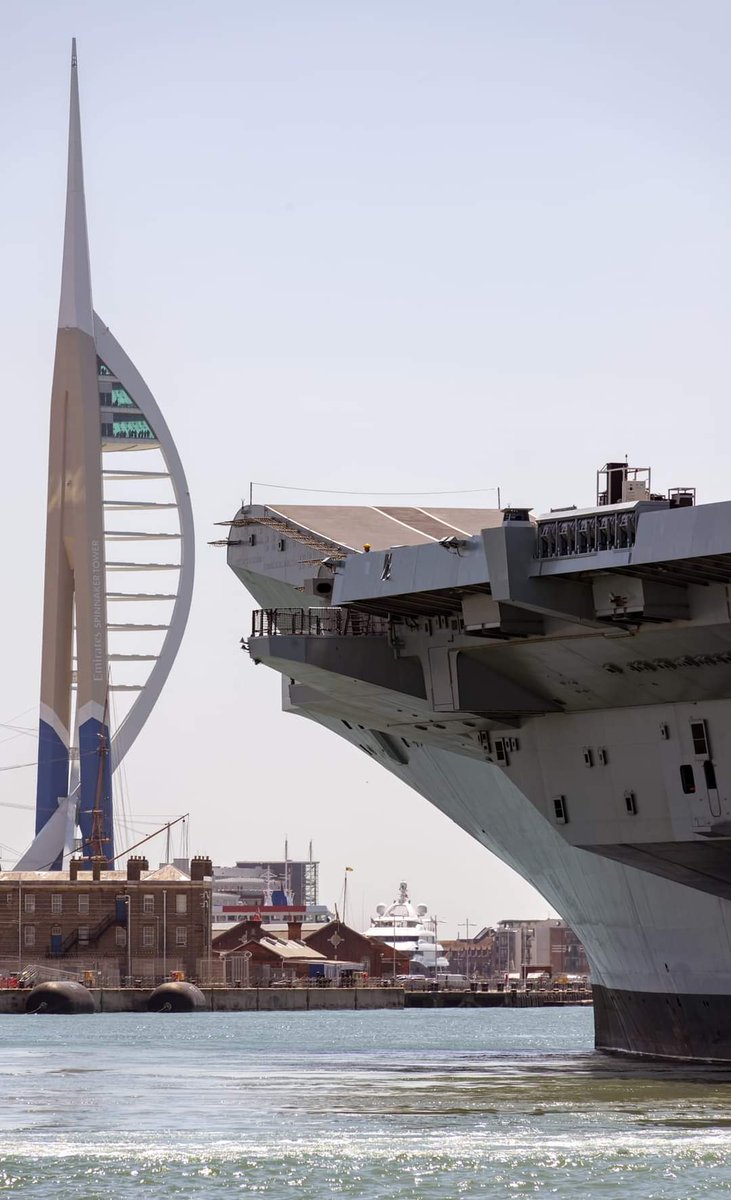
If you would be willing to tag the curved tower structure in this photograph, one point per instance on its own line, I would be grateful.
(107, 648)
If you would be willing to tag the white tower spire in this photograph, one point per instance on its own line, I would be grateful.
(76, 309)
(100, 405)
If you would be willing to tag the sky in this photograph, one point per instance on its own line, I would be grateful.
(365, 246)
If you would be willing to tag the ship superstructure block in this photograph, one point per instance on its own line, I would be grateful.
(560, 685)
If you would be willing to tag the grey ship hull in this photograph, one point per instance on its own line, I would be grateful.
(557, 736)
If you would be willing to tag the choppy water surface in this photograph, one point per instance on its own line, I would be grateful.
(381, 1104)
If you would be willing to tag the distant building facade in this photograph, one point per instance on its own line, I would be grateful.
(290, 954)
(471, 957)
(547, 946)
(116, 925)
(338, 941)
(279, 882)
(518, 949)
(275, 889)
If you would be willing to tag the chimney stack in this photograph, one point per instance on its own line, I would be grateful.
(76, 865)
(252, 929)
(136, 864)
(97, 862)
(294, 930)
(201, 868)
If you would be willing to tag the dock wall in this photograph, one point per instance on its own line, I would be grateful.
(118, 1000)
(510, 999)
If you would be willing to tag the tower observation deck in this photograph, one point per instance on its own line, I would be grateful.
(107, 648)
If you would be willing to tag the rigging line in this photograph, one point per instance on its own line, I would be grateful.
(18, 731)
(168, 825)
(21, 766)
(290, 487)
(21, 733)
(138, 824)
(87, 843)
(20, 714)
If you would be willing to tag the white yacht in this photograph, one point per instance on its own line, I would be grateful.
(406, 928)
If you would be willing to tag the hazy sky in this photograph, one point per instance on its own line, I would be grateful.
(365, 245)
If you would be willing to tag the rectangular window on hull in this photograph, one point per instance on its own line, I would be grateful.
(559, 810)
(699, 734)
(710, 774)
(687, 779)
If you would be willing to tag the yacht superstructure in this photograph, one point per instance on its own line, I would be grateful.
(407, 928)
(560, 686)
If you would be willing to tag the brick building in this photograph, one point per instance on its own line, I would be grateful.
(262, 961)
(568, 956)
(254, 955)
(117, 924)
(471, 957)
(338, 941)
(334, 942)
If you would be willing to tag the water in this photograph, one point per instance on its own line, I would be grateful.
(417, 1104)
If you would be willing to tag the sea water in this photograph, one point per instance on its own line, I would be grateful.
(418, 1103)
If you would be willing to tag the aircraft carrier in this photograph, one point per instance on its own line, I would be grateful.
(560, 686)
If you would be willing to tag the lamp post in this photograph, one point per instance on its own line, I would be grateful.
(206, 902)
(128, 902)
(345, 893)
(436, 931)
(466, 923)
(435, 922)
(157, 947)
(164, 934)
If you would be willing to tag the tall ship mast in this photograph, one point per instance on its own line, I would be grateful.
(106, 513)
(560, 686)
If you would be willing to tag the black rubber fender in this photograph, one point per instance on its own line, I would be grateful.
(56, 997)
(176, 997)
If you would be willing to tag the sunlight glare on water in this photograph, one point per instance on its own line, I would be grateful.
(415, 1104)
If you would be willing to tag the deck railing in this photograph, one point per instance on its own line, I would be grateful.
(316, 622)
(568, 536)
